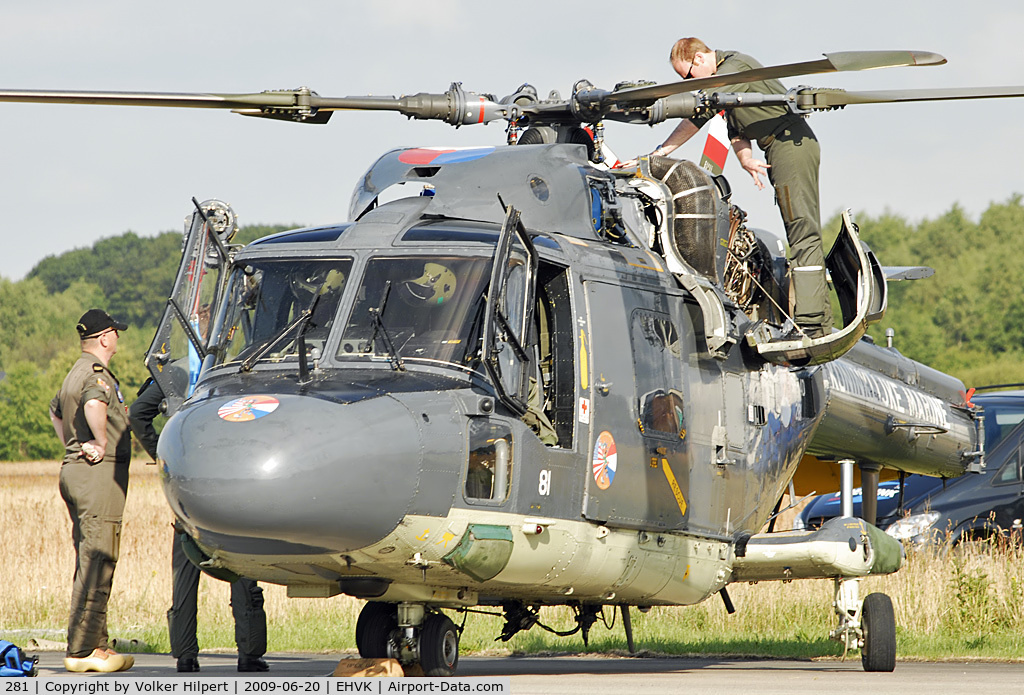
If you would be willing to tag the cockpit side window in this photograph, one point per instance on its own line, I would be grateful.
(264, 297)
(489, 469)
(430, 308)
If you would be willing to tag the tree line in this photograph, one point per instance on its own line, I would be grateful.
(966, 320)
(129, 276)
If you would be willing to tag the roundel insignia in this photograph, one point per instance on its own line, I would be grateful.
(248, 408)
(605, 460)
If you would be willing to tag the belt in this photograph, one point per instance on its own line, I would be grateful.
(767, 140)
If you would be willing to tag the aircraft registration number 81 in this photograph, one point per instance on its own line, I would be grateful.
(544, 483)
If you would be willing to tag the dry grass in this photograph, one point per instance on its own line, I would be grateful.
(36, 572)
(967, 602)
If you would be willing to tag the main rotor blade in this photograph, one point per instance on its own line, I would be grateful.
(165, 99)
(820, 99)
(455, 106)
(844, 61)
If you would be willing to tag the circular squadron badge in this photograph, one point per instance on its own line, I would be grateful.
(605, 460)
(248, 408)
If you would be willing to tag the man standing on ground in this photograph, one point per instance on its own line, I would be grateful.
(246, 595)
(89, 416)
(793, 157)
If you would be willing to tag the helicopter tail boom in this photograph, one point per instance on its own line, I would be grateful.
(886, 410)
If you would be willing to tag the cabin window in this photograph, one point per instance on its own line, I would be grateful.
(662, 413)
(489, 469)
(657, 361)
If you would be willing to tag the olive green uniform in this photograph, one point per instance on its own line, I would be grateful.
(793, 155)
(246, 595)
(94, 494)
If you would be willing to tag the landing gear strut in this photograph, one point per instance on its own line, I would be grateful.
(409, 633)
(868, 625)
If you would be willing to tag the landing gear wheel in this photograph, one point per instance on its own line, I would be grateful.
(376, 622)
(439, 646)
(878, 621)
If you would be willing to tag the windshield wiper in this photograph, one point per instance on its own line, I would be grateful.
(301, 321)
(378, 327)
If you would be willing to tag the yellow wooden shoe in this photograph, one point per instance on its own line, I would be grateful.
(99, 661)
(129, 660)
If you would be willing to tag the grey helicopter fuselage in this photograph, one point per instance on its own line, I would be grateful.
(601, 453)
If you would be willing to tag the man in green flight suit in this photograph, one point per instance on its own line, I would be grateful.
(88, 414)
(792, 157)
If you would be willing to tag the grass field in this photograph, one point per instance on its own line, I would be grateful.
(968, 603)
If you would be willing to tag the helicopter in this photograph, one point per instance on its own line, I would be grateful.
(518, 377)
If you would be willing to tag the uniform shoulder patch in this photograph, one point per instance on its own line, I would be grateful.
(97, 367)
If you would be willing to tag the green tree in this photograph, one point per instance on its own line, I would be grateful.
(967, 319)
(26, 432)
(38, 325)
(134, 273)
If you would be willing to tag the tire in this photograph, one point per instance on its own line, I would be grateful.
(878, 621)
(439, 646)
(376, 622)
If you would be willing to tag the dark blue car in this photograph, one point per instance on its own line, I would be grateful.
(975, 505)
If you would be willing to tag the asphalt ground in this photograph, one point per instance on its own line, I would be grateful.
(595, 675)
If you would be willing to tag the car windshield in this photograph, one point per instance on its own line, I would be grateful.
(430, 307)
(265, 297)
(1002, 414)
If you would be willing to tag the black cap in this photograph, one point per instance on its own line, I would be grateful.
(95, 321)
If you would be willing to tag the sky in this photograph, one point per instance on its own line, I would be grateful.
(72, 174)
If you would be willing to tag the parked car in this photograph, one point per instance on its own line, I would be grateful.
(975, 505)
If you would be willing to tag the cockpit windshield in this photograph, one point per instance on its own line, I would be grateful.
(265, 297)
(430, 308)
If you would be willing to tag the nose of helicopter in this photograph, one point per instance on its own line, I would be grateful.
(290, 468)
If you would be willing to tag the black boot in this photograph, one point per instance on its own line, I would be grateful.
(249, 664)
(188, 664)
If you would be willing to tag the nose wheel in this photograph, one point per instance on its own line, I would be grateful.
(878, 623)
(409, 633)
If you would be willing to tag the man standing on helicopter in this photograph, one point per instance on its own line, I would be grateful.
(792, 159)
